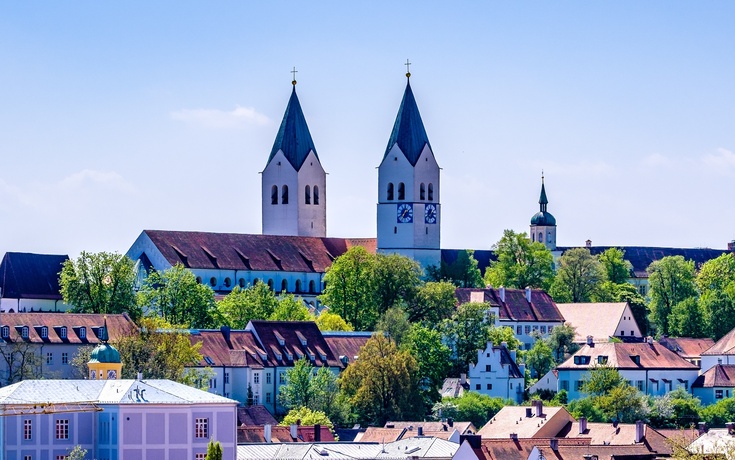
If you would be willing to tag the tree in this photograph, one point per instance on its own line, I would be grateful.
(675, 409)
(504, 334)
(214, 450)
(578, 274)
(21, 360)
(349, 288)
(539, 359)
(382, 385)
(298, 391)
(394, 323)
(290, 308)
(328, 321)
(687, 319)
(601, 380)
(242, 305)
(77, 453)
(307, 417)
(466, 332)
(432, 358)
(432, 302)
(671, 281)
(462, 273)
(99, 282)
(471, 406)
(396, 279)
(521, 263)
(716, 283)
(623, 403)
(615, 268)
(316, 390)
(178, 298)
(561, 341)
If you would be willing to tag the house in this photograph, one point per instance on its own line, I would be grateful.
(529, 312)
(538, 421)
(515, 448)
(618, 434)
(722, 352)
(30, 283)
(454, 387)
(496, 373)
(650, 367)
(688, 348)
(43, 345)
(247, 434)
(548, 382)
(601, 321)
(715, 383)
(714, 443)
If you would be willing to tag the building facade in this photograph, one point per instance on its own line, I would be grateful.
(496, 374)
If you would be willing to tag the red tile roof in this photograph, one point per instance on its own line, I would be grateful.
(721, 375)
(724, 346)
(270, 334)
(255, 415)
(117, 326)
(687, 347)
(520, 449)
(231, 348)
(621, 356)
(347, 344)
(516, 306)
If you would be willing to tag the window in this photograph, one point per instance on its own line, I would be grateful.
(213, 281)
(274, 194)
(519, 330)
(401, 191)
(284, 285)
(282, 377)
(212, 384)
(199, 280)
(578, 385)
(488, 368)
(256, 378)
(631, 333)
(200, 456)
(390, 191)
(535, 328)
(256, 399)
(27, 457)
(718, 394)
(581, 359)
(490, 386)
(540, 237)
(478, 386)
(298, 285)
(422, 192)
(284, 194)
(268, 398)
(49, 358)
(24, 332)
(61, 457)
(228, 282)
(316, 195)
(307, 195)
(5, 331)
(27, 430)
(44, 332)
(543, 329)
(270, 284)
(431, 192)
(227, 377)
(82, 332)
(268, 378)
(241, 282)
(201, 428)
(564, 385)
(550, 328)
(312, 287)
(622, 333)
(602, 360)
(62, 429)
(527, 329)
(533, 237)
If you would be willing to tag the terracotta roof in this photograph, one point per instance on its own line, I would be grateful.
(117, 326)
(236, 251)
(621, 356)
(31, 276)
(514, 419)
(231, 348)
(379, 434)
(256, 434)
(687, 347)
(617, 435)
(634, 452)
(720, 375)
(519, 449)
(347, 344)
(272, 333)
(516, 306)
(600, 320)
(462, 427)
(307, 434)
(682, 437)
(724, 346)
(255, 415)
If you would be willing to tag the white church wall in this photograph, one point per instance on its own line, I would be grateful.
(280, 219)
(312, 218)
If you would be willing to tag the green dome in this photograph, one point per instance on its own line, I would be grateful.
(104, 353)
(543, 219)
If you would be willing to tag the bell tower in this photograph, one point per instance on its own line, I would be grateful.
(409, 210)
(104, 361)
(543, 224)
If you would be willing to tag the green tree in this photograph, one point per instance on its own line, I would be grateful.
(498, 335)
(675, 409)
(471, 406)
(396, 279)
(394, 323)
(716, 415)
(521, 263)
(214, 450)
(687, 319)
(316, 390)
(298, 390)
(601, 380)
(433, 302)
(20, 360)
(615, 268)
(462, 273)
(561, 342)
(716, 283)
(539, 359)
(176, 296)
(624, 404)
(624, 292)
(307, 417)
(99, 282)
(383, 384)
(291, 308)
(432, 358)
(328, 321)
(242, 305)
(466, 332)
(578, 275)
(671, 281)
(350, 288)
(77, 453)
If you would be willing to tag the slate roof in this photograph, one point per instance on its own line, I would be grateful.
(634, 452)
(117, 326)
(720, 375)
(271, 333)
(724, 346)
(620, 356)
(426, 447)
(516, 307)
(31, 276)
(237, 251)
(687, 347)
(600, 320)
(293, 137)
(452, 388)
(408, 130)
(347, 344)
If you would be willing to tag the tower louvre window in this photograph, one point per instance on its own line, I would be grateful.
(540, 237)
(431, 192)
(307, 195)
(274, 194)
(298, 285)
(284, 194)
(422, 192)
(401, 191)
(316, 195)
(390, 191)
(312, 286)
(270, 284)
(284, 285)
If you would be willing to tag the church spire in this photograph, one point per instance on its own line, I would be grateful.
(293, 137)
(408, 130)
(543, 201)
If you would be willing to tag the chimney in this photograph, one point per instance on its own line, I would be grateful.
(528, 293)
(450, 421)
(514, 436)
(474, 440)
(317, 433)
(639, 430)
(702, 428)
(501, 293)
(554, 444)
(420, 431)
(582, 425)
(294, 431)
(730, 428)
(588, 244)
(225, 330)
(590, 341)
(649, 340)
(529, 412)
(462, 379)
(539, 408)
(267, 433)
(140, 376)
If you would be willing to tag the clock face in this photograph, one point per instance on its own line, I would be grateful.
(111, 374)
(92, 375)
(405, 213)
(430, 213)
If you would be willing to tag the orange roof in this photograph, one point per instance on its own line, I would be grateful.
(622, 356)
(118, 326)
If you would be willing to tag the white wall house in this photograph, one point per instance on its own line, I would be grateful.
(722, 352)
(715, 384)
(601, 321)
(496, 374)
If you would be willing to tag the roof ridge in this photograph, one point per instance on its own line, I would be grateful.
(408, 130)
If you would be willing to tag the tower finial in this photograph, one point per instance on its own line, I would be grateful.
(408, 69)
(542, 177)
(294, 72)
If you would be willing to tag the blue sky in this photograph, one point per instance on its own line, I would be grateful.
(119, 117)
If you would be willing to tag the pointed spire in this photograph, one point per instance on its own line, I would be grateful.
(408, 130)
(104, 336)
(543, 201)
(293, 137)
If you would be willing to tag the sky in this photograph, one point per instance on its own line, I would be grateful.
(117, 117)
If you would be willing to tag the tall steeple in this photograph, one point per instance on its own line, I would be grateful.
(293, 181)
(543, 224)
(409, 212)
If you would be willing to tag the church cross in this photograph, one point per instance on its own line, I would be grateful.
(294, 72)
(408, 69)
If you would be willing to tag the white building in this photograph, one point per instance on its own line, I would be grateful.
(601, 321)
(496, 374)
(30, 283)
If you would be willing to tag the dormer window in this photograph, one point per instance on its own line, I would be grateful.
(24, 332)
(44, 332)
(289, 356)
(581, 360)
(62, 332)
(5, 332)
(279, 337)
(83, 332)
(602, 360)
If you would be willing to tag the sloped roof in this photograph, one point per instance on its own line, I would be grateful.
(620, 356)
(452, 388)
(687, 347)
(600, 320)
(118, 326)
(720, 375)
(516, 306)
(237, 251)
(462, 427)
(724, 346)
(634, 452)
(231, 348)
(426, 447)
(31, 276)
(347, 344)
(271, 332)
(380, 434)
(408, 130)
(519, 449)
(617, 435)
(255, 415)
(513, 419)
(293, 138)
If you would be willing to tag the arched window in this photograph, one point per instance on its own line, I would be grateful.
(316, 195)
(422, 191)
(312, 286)
(213, 281)
(284, 194)
(270, 284)
(533, 237)
(274, 194)
(298, 285)
(199, 280)
(540, 237)
(241, 282)
(401, 191)
(390, 191)
(548, 237)
(431, 192)
(307, 195)
(256, 281)
(284, 286)
(228, 282)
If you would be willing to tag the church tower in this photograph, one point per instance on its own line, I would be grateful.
(543, 224)
(104, 361)
(294, 182)
(409, 213)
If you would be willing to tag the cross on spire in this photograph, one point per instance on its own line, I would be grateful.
(294, 72)
(408, 69)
